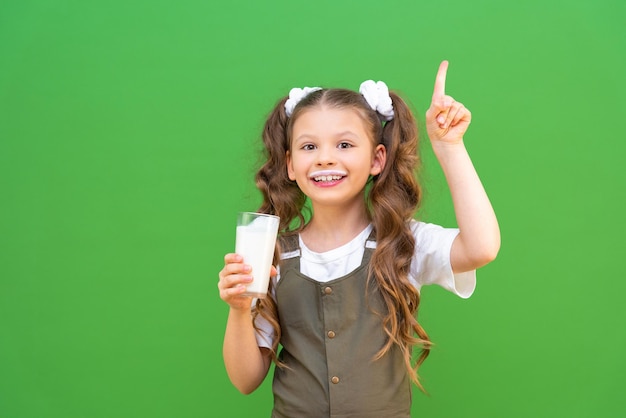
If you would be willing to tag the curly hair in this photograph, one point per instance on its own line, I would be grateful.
(392, 199)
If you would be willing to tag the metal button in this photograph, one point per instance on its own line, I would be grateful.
(328, 290)
(335, 380)
(331, 334)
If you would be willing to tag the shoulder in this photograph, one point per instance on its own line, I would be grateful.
(425, 232)
(431, 260)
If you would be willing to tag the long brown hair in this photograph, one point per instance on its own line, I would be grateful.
(391, 201)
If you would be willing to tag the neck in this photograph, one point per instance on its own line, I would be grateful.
(332, 227)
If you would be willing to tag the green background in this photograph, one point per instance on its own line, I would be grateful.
(129, 139)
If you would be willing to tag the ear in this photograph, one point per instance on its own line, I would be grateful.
(379, 160)
(290, 171)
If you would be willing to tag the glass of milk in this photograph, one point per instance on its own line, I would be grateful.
(255, 242)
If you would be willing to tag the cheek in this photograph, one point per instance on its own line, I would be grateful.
(297, 167)
(290, 171)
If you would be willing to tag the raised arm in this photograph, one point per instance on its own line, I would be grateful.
(246, 363)
(446, 122)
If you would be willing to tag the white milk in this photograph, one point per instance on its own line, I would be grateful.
(255, 243)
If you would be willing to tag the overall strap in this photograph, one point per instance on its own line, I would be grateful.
(290, 253)
(370, 246)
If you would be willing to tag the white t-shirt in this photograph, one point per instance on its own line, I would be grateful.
(430, 265)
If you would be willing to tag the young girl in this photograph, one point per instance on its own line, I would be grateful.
(343, 301)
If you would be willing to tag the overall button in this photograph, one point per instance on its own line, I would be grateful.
(335, 380)
(331, 334)
(328, 290)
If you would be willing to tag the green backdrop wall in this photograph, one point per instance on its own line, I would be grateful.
(129, 138)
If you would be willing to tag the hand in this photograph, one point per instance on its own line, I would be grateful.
(234, 278)
(446, 119)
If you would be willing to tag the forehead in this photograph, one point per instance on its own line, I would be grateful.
(328, 121)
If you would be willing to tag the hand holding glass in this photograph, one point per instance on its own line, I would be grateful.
(255, 242)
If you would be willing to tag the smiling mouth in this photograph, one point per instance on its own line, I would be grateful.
(321, 179)
(327, 176)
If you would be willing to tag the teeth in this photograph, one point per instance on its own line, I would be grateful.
(327, 178)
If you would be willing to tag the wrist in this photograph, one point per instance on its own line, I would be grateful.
(445, 147)
(239, 312)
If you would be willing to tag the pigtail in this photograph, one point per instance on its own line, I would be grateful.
(394, 197)
(281, 197)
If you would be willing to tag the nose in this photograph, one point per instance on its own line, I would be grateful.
(325, 157)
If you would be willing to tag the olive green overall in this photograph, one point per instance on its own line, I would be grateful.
(330, 334)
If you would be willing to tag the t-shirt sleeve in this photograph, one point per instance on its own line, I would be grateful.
(264, 333)
(431, 262)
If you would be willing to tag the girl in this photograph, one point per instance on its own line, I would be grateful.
(343, 301)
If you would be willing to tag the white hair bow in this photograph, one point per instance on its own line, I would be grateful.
(295, 95)
(377, 96)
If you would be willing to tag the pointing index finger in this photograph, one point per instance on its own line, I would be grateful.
(440, 81)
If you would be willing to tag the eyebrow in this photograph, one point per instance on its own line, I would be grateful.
(304, 136)
(339, 134)
(348, 132)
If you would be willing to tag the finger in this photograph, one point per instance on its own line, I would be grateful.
(235, 268)
(441, 118)
(440, 81)
(233, 274)
(233, 291)
(273, 272)
(452, 114)
(234, 296)
(234, 281)
(232, 258)
(462, 115)
(229, 277)
(443, 105)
